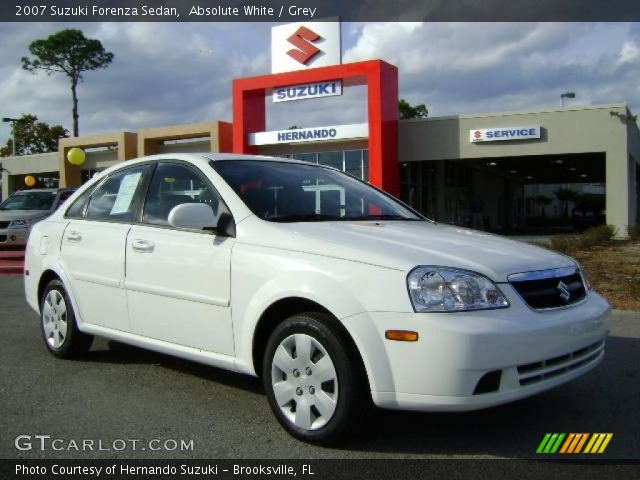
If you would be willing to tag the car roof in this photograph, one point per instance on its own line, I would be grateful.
(216, 157)
(201, 159)
(50, 190)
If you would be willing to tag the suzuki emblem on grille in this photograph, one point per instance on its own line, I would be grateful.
(565, 294)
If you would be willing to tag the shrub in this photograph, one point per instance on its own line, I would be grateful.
(565, 243)
(591, 237)
(634, 232)
(597, 235)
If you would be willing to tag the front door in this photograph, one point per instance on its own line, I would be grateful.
(177, 280)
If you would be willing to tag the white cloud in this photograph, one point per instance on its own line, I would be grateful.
(630, 52)
(169, 73)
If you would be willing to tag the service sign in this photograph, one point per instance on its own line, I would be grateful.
(504, 133)
(309, 90)
(314, 134)
(299, 46)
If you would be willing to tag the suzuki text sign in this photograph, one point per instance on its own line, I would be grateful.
(504, 133)
(314, 134)
(309, 90)
(299, 46)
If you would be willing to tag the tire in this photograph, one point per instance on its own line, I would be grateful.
(319, 409)
(58, 323)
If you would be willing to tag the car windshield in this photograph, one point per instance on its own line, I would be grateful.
(297, 192)
(29, 201)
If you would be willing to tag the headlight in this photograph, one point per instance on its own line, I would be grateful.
(585, 278)
(442, 289)
(19, 224)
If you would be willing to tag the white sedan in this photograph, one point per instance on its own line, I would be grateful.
(332, 291)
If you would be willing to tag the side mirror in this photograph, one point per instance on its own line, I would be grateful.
(199, 216)
(196, 216)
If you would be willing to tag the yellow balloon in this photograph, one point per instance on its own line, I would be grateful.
(76, 156)
(29, 181)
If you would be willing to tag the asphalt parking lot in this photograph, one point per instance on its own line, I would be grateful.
(118, 392)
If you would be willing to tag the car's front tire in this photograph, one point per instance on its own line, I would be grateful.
(58, 323)
(313, 378)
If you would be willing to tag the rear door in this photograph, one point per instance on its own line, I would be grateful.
(93, 246)
(179, 281)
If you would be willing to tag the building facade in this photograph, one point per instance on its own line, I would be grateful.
(443, 172)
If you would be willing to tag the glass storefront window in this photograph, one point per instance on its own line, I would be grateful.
(306, 157)
(331, 159)
(353, 162)
(365, 165)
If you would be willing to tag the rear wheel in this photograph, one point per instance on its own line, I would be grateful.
(312, 378)
(58, 322)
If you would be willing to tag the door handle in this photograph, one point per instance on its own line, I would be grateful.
(74, 236)
(143, 246)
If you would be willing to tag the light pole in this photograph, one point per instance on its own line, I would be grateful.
(566, 95)
(13, 131)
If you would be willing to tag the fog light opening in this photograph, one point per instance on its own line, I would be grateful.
(490, 382)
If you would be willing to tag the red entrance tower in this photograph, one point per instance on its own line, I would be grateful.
(381, 78)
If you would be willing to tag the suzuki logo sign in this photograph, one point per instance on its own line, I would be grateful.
(316, 44)
(303, 39)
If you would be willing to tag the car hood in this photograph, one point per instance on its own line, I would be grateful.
(404, 245)
(22, 214)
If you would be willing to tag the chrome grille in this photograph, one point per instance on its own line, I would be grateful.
(549, 288)
(4, 225)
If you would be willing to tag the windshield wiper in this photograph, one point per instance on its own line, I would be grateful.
(305, 217)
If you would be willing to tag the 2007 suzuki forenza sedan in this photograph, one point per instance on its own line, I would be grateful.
(332, 291)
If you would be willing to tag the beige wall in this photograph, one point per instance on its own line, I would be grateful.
(47, 162)
(16, 167)
(124, 145)
(600, 128)
(578, 130)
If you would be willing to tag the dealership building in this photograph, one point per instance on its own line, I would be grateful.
(454, 169)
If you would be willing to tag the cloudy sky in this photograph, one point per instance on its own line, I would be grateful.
(166, 73)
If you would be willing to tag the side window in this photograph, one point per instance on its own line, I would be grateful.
(76, 210)
(115, 198)
(174, 184)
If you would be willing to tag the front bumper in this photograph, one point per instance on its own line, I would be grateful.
(13, 237)
(520, 351)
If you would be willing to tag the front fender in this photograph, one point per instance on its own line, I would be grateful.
(344, 288)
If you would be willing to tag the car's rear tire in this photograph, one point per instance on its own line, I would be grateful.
(313, 378)
(58, 323)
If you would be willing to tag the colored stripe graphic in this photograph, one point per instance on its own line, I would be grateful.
(568, 442)
(598, 442)
(550, 443)
(583, 439)
(543, 443)
(574, 443)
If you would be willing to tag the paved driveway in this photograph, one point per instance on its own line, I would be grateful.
(118, 392)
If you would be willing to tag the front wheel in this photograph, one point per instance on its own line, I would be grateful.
(313, 378)
(58, 322)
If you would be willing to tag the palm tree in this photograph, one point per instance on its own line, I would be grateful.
(542, 201)
(566, 195)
